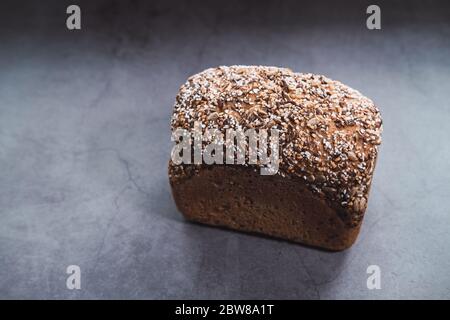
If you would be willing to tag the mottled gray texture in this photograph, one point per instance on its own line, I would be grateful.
(84, 145)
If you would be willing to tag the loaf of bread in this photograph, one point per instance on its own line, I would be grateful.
(328, 144)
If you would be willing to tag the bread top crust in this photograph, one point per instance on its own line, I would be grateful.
(328, 132)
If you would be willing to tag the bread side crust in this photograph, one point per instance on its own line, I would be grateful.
(238, 198)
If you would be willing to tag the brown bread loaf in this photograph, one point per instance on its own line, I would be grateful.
(328, 143)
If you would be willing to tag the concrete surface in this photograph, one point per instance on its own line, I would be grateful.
(84, 144)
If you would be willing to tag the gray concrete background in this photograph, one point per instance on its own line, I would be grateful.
(84, 144)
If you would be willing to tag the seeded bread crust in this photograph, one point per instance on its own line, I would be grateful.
(328, 132)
